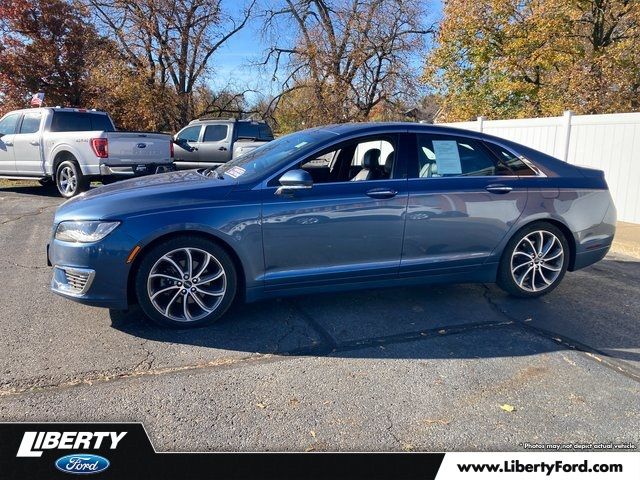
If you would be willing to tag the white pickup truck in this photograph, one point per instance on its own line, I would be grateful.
(72, 146)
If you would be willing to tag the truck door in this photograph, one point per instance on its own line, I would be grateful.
(188, 158)
(27, 145)
(216, 144)
(7, 130)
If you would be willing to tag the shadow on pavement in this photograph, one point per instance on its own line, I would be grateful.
(596, 309)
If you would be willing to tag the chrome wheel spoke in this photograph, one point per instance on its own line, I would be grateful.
(542, 252)
(176, 270)
(172, 287)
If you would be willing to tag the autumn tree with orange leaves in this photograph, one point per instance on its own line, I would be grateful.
(529, 58)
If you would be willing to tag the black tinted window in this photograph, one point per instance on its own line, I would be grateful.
(447, 156)
(80, 122)
(8, 124)
(247, 130)
(512, 161)
(265, 132)
(215, 133)
(30, 122)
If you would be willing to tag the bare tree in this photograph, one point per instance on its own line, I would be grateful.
(351, 55)
(171, 41)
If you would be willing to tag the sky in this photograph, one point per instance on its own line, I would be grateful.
(231, 65)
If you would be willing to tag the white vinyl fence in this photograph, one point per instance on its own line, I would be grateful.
(606, 142)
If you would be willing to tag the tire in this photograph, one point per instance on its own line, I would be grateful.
(69, 179)
(163, 282)
(534, 261)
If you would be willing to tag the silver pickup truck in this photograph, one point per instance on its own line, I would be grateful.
(72, 146)
(206, 143)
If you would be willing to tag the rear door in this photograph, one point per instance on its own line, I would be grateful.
(215, 146)
(8, 126)
(27, 145)
(462, 203)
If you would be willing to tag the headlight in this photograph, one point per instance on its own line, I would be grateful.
(84, 232)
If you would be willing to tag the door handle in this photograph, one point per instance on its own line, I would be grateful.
(382, 193)
(35, 143)
(8, 144)
(222, 149)
(498, 188)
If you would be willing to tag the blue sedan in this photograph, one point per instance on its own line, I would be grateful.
(330, 209)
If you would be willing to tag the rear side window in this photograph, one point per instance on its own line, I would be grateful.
(265, 132)
(8, 124)
(30, 122)
(515, 164)
(215, 133)
(80, 122)
(448, 156)
(247, 130)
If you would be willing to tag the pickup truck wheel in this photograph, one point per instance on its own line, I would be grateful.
(69, 179)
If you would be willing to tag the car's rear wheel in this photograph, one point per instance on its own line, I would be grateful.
(534, 261)
(186, 282)
(70, 180)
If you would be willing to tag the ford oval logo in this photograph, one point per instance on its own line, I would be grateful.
(81, 463)
(141, 145)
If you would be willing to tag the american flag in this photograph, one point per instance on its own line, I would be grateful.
(37, 100)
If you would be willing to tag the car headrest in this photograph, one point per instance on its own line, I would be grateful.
(371, 158)
(388, 162)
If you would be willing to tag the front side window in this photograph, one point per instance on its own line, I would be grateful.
(366, 159)
(215, 133)
(190, 134)
(8, 124)
(449, 156)
(30, 122)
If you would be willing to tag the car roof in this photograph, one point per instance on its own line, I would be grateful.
(224, 120)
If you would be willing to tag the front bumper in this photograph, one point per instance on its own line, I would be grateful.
(92, 273)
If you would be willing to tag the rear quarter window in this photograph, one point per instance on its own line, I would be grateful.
(511, 160)
(80, 122)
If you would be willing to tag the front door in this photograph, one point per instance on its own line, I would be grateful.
(8, 127)
(27, 147)
(347, 227)
(188, 157)
(462, 203)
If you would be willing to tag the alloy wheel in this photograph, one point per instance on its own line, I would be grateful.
(186, 284)
(536, 261)
(67, 180)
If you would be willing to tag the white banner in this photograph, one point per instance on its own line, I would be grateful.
(541, 465)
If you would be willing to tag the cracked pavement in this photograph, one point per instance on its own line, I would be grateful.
(421, 368)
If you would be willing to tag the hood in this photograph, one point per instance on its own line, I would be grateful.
(144, 195)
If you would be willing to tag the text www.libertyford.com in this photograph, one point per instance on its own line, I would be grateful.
(516, 466)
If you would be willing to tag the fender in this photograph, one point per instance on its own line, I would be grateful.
(64, 148)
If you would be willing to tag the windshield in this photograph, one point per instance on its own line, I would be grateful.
(269, 157)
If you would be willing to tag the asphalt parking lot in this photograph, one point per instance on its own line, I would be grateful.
(424, 368)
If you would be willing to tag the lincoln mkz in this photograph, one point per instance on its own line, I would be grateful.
(331, 209)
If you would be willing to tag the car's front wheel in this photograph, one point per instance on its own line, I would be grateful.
(186, 282)
(534, 261)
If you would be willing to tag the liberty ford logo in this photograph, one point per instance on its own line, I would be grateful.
(141, 145)
(82, 463)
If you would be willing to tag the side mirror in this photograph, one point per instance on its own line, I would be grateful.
(182, 143)
(294, 180)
